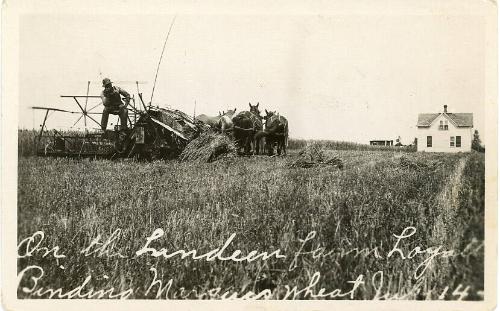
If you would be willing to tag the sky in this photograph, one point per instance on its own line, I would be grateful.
(340, 77)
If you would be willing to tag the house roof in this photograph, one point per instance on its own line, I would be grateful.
(462, 119)
(425, 119)
(459, 119)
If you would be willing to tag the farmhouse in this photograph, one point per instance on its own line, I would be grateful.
(444, 132)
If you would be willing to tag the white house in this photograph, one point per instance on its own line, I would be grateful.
(444, 132)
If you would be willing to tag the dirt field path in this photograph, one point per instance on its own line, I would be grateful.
(447, 202)
(445, 227)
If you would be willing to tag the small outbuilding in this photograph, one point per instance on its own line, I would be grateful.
(381, 142)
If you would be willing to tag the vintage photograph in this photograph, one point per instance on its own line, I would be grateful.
(177, 156)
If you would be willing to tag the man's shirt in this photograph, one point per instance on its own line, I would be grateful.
(111, 97)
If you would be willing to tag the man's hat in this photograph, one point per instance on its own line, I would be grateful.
(106, 81)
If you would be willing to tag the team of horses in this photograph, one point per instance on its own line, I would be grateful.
(252, 132)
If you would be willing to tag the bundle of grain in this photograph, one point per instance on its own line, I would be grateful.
(335, 160)
(208, 147)
(314, 154)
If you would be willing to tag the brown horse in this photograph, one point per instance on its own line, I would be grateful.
(258, 125)
(276, 132)
(245, 125)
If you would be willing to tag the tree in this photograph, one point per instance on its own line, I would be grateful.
(476, 142)
(413, 146)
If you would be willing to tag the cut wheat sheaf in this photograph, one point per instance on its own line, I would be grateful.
(208, 147)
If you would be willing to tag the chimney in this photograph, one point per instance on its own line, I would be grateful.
(445, 108)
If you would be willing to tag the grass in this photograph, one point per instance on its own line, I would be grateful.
(269, 206)
(347, 145)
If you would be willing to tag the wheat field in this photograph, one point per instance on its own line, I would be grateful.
(331, 226)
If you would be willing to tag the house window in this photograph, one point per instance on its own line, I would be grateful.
(458, 141)
(441, 126)
(429, 141)
(446, 125)
(452, 141)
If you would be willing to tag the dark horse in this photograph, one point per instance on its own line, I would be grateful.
(245, 125)
(276, 133)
